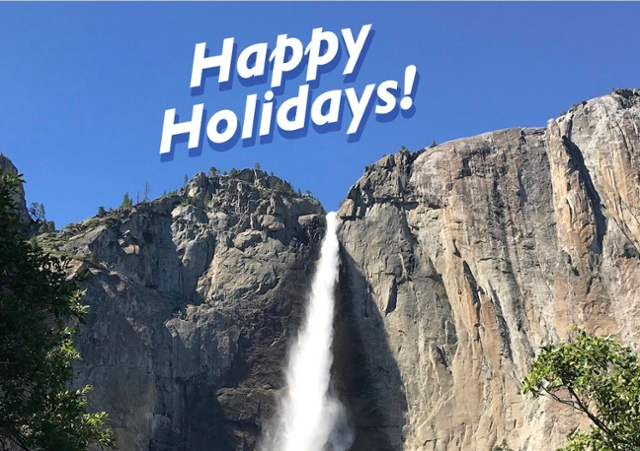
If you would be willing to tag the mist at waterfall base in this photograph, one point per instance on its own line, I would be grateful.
(309, 417)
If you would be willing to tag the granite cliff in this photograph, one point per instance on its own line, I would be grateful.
(462, 260)
(459, 261)
(7, 165)
(192, 299)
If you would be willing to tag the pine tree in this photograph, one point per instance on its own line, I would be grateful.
(37, 212)
(47, 227)
(126, 201)
(37, 304)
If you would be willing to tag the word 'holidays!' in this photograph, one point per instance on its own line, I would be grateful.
(288, 58)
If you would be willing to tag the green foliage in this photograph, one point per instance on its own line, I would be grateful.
(38, 305)
(256, 166)
(38, 215)
(47, 227)
(502, 447)
(126, 201)
(283, 187)
(233, 172)
(598, 377)
(213, 171)
(101, 211)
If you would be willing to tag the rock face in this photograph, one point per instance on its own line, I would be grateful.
(8, 166)
(461, 260)
(458, 263)
(191, 300)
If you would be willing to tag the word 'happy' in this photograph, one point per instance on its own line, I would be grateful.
(289, 58)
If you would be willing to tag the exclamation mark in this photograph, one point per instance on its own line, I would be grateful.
(409, 80)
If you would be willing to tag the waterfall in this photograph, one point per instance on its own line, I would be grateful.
(309, 418)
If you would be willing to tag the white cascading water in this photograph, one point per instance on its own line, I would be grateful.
(309, 417)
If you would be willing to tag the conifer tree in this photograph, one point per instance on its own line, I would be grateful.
(126, 201)
(38, 304)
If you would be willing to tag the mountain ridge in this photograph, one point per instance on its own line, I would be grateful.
(459, 261)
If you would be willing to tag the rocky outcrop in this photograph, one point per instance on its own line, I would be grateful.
(463, 259)
(192, 298)
(23, 214)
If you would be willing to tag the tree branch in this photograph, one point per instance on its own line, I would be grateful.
(597, 421)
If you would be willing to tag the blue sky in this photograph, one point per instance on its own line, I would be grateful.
(84, 86)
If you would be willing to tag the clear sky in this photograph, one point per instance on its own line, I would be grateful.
(84, 86)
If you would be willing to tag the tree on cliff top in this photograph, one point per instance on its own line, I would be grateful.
(37, 304)
(126, 201)
(598, 377)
